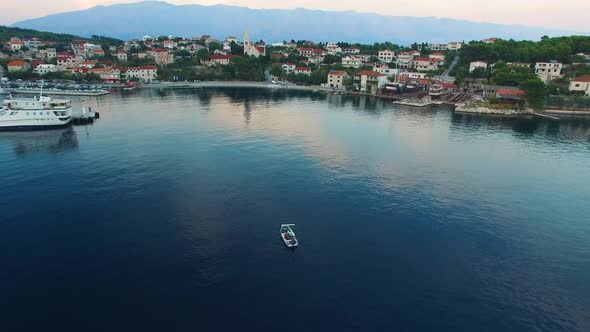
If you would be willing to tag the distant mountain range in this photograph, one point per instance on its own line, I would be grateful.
(126, 21)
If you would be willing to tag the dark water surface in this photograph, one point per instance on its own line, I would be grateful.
(164, 216)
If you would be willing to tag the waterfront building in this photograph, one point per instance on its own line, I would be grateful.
(143, 74)
(44, 69)
(336, 79)
(367, 80)
(581, 84)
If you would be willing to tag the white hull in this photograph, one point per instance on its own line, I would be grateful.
(288, 236)
(34, 119)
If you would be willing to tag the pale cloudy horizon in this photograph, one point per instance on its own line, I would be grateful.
(567, 15)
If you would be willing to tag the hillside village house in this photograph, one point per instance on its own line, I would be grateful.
(386, 55)
(404, 58)
(437, 47)
(122, 56)
(548, 71)
(303, 71)
(519, 64)
(437, 55)
(581, 84)
(161, 56)
(384, 69)
(490, 40)
(44, 69)
(333, 49)
(67, 61)
(18, 65)
(410, 75)
(111, 74)
(143, 74)
(454, 46)
(32, 43)
(48, 53)
(336, 79)
(350, 61)
(305, 51)
(477, 64)
(219, 59)
(367, 80)
(88, 64)
(287, 68)
(424, 64)
(16, 45)
(352, 50)
(169, 43)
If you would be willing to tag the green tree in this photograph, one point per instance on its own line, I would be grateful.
(535, 90)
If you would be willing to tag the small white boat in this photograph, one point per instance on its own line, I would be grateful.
(288, 236)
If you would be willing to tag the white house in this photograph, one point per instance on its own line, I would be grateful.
(453, 46)
(287, 68)
(386, 55)
(122, 56)
(437, 55)
(352, 50)
(424, 64)
(366, 79)
(303, 71)
(384, 69)
(437, 47)
(548, 70)
(16, 45)
(350, 61)
(142, 73)
(219, 59)
(478, 64)
(336, 79)
(44, 69)
(581, 84)
(404, 58)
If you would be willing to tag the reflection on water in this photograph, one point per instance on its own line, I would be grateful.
(449, 222)
(49, 141)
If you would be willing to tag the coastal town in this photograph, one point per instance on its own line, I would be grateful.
(485, 76)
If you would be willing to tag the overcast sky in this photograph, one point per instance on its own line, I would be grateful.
(563, 14)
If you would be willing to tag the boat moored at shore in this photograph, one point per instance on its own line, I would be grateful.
(35, 113)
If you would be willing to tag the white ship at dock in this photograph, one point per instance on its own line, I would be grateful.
(34, 113)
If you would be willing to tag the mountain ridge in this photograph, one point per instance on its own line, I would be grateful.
(133, 20)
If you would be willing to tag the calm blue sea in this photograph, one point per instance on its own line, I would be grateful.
(164, 216)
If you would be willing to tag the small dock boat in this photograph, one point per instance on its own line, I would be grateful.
(288, 236)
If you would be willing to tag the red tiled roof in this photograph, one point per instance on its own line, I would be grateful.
(449, 85)
(585, 78)
(222, 57)
(511, 92)
(369, 73)
(16, 63)
(425, 59)
(259, 49)
(438, 53)
(337, 72)
(302, 69)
